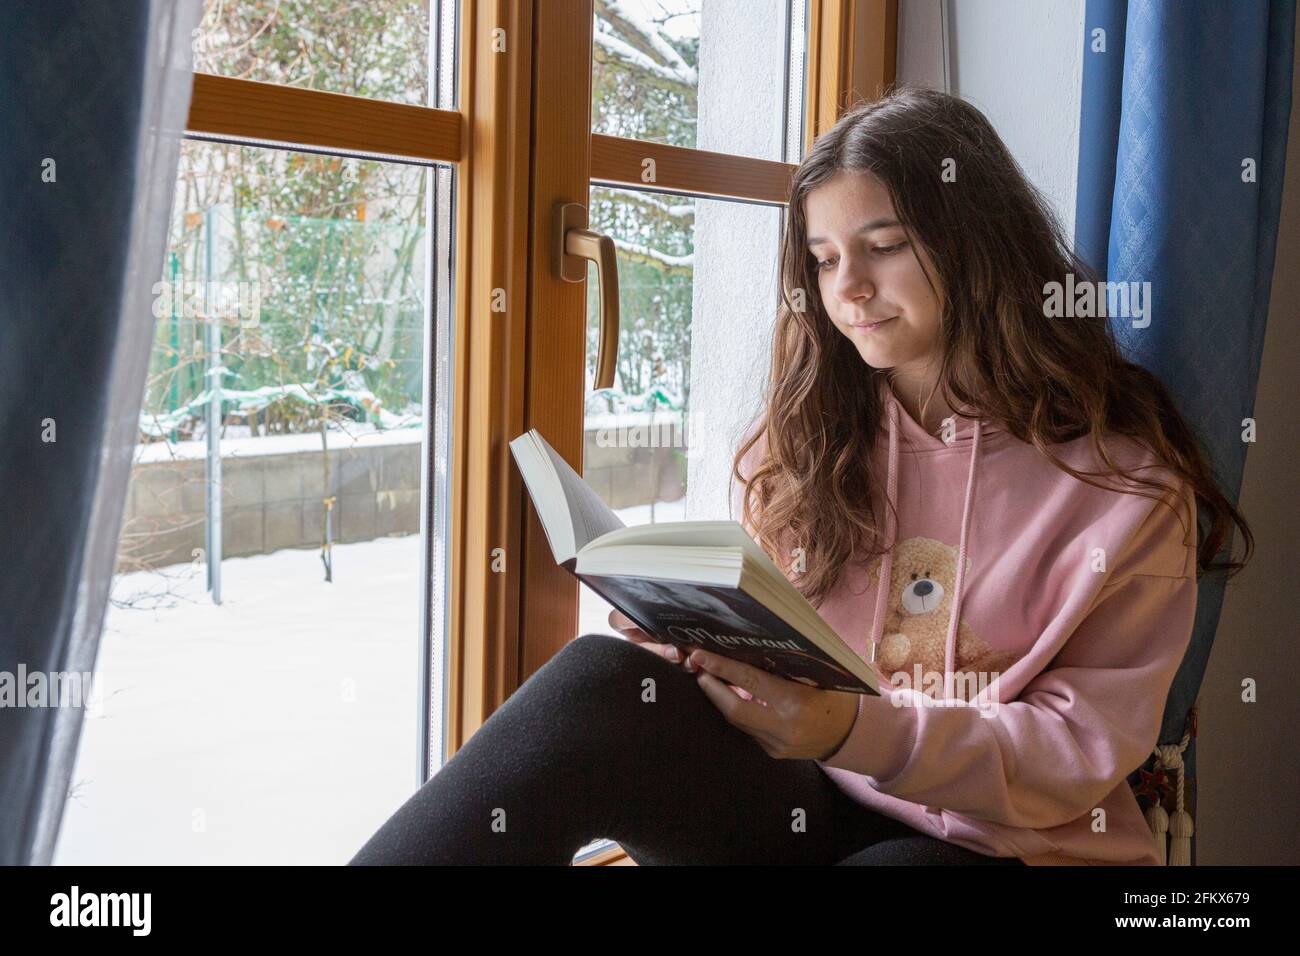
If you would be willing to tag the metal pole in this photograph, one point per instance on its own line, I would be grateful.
(213, 511)
(173, 338)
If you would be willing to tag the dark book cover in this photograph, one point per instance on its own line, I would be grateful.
(726, 621)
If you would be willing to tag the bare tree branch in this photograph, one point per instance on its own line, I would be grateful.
(646, 38)
(670, 264)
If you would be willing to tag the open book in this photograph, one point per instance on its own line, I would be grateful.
(695, 584)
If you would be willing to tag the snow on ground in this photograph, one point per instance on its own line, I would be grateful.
(653, 429)
(238, 443)
(277, 728)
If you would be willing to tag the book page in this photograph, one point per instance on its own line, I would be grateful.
(718, 534)
(590, 516)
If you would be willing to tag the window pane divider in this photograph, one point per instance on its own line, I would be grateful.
(293, 118)
(618, 161)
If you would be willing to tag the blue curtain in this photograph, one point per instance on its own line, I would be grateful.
(1182, 149)
(92, 99)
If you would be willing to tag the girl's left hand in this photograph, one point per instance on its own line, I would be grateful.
(797, 723)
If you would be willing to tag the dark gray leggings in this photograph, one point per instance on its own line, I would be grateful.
(578, 753)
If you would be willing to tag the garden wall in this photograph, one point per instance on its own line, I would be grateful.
(275, 501)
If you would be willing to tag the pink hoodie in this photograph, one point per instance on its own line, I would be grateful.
(1082, 599)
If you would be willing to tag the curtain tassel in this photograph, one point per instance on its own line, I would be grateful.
(1176, 828)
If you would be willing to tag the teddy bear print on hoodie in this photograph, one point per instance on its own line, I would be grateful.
(911, 652)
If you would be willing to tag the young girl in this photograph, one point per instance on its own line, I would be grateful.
(986, 501)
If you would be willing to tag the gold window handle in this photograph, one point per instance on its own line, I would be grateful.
(573, 245)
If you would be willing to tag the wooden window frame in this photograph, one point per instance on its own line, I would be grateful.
(524, 367)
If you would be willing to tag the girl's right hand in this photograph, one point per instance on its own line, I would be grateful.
(670, 652)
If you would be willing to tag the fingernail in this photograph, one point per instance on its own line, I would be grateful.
(673, 654)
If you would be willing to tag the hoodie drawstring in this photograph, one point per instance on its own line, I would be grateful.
(887, 561)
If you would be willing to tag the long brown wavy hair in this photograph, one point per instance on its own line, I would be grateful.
(994, 242)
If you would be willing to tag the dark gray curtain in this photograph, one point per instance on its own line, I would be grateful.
(93, 99)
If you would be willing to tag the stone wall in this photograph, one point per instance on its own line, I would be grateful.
(271, 502)
(624, 477)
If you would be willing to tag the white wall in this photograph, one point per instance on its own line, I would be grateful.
(1021, 63)
(736, 284)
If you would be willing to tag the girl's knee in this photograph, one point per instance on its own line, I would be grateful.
(605, 652)
(601, 658)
